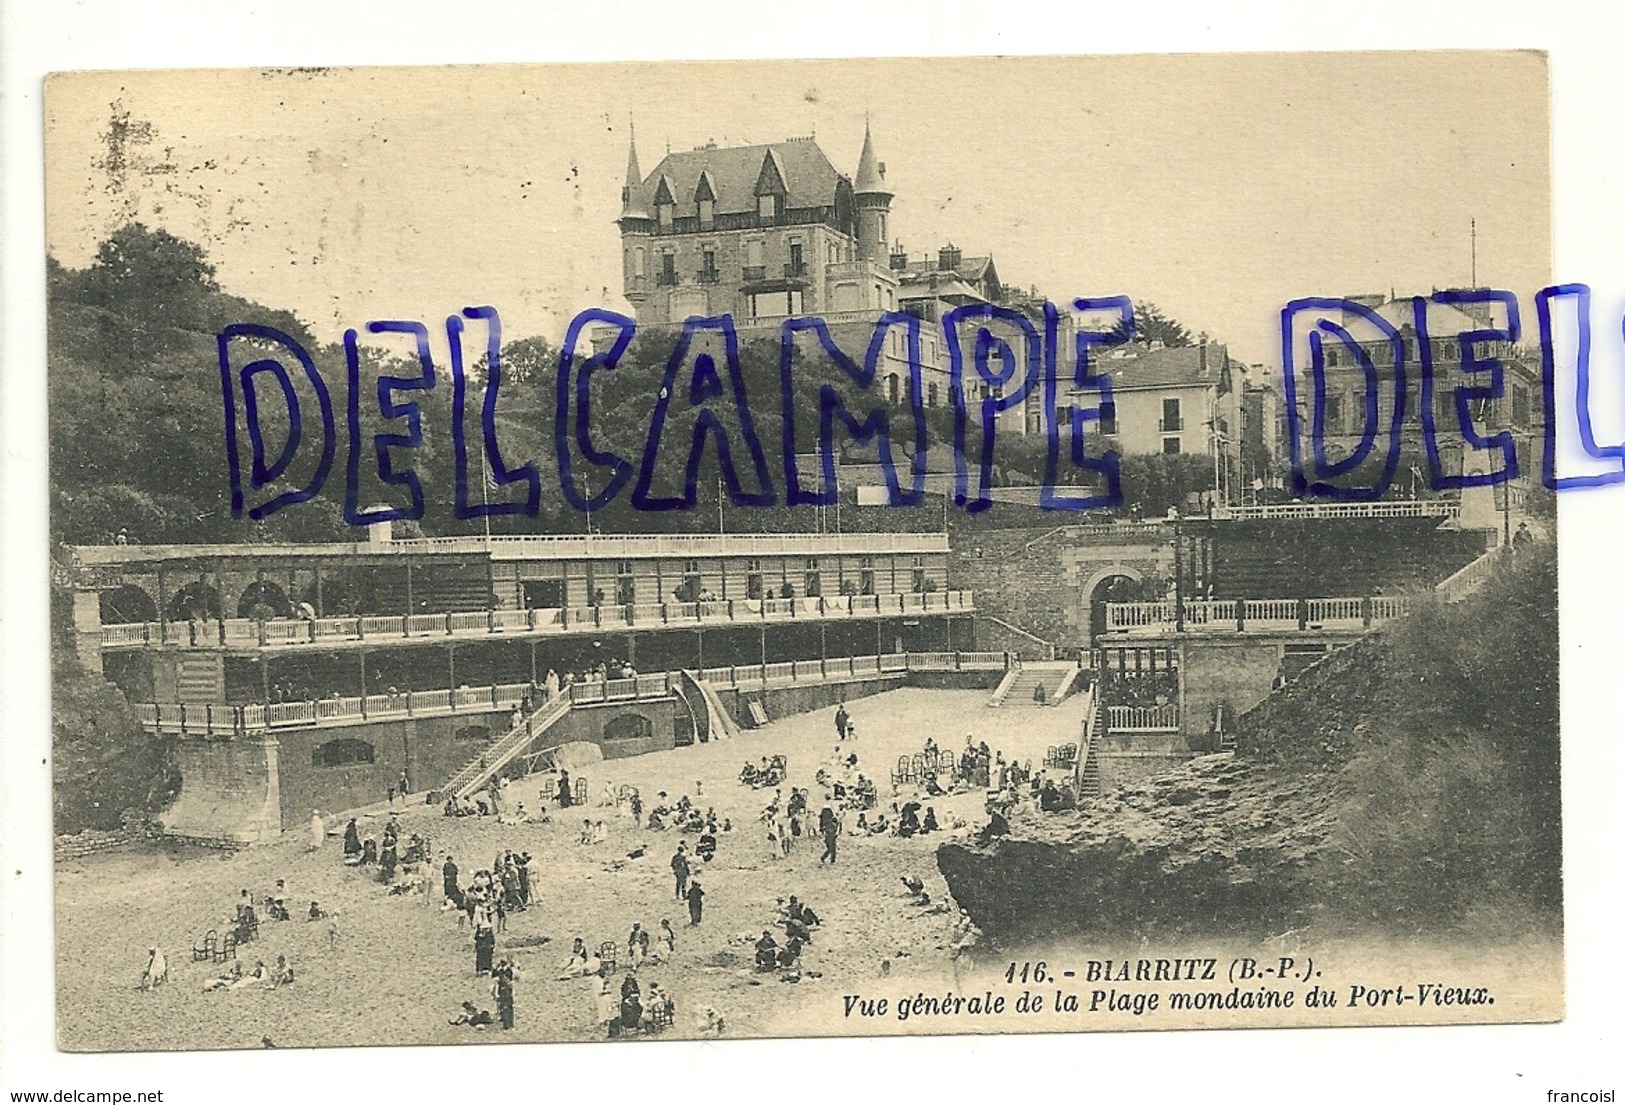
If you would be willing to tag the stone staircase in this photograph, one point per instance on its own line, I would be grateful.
(1094, 725)
(1017, 688)
(498, 755)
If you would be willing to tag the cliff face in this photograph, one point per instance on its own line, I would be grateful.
(1405, 784)
(1210, 847)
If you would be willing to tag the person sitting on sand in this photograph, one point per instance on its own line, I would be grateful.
(281, 974)
(581, 962)
(226, 980)
(253, 978)
(472, 1016)
(767, 951)
(930, 824)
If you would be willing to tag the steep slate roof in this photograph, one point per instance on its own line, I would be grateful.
(871, 177)
(809, 176)
(1167, 368)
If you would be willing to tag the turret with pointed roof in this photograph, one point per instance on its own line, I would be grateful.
(632, 191)
(873, 201)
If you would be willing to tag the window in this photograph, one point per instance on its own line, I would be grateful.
(813, 579)
(342, 753)
(891, 389)
(663, 212)
(866, 575)
(1334, 414)
(707, 213)
(626, 588)
(1170, 446)
(1170, 418)
(917, 573)
(767, 207)
(708, 266)
(691, 582)
(1520, 405)
(668, 269)
(930, 395)
(798, 264)
(1108, 419)
(753, 578)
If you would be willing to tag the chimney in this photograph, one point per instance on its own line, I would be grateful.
(1201, 358)
(899, 257)
(948, 258)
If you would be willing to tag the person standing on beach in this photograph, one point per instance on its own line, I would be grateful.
(696, 902)
(680, 869)
(504, 991)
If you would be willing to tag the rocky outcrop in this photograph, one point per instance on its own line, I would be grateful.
(1213, 846)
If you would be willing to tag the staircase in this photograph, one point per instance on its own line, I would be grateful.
(1017, 688)
(506, 748)
(1094, 724)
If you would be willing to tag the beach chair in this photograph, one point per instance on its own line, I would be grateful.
(227, 948)
(204, 951)
(660, 1017)
(608, 955)
(581, 792)
(917, 766)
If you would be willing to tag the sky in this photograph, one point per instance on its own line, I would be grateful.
(1217, 186)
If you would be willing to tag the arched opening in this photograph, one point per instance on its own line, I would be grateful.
(126, 604)
(333, 600)
(1114, 585)
(263, 599)
(196, 600)
(629, 727)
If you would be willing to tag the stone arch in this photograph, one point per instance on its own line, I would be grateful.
(263, 597)
(629, 727)
(196, 599)
(126, 604)
(1094, 594)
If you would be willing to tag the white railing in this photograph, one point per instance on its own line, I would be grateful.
(1221, 615)
(535, 547)
(848, 667)
(1142, 719)
(1420, 508)
(1458, 585)
(219, 719)
(284, 633)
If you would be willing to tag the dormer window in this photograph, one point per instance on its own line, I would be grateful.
(767, 207)
(665, 205)
(705, 199)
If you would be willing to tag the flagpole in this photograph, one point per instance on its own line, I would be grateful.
(485, 497)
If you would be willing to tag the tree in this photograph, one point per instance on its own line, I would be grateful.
(152, 275)
(1152, 327)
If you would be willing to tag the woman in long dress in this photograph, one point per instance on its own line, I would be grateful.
(318, 832)
(485, 946)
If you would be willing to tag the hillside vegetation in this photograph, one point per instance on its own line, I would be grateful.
(1408, 784)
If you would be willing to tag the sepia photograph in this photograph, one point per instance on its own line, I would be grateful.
(725, 550)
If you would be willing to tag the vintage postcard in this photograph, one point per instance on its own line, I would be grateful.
(755, 549)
